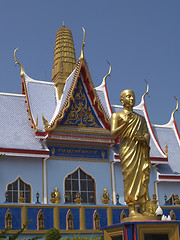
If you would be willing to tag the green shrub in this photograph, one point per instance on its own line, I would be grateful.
(52, 234)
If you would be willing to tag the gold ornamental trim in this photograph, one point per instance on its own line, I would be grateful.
(67, 102)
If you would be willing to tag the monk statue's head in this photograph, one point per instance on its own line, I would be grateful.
(127, 98)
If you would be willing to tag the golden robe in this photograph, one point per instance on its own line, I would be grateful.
(134, 156)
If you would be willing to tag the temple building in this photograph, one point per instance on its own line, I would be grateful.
(60, 166)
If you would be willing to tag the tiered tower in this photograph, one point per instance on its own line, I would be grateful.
(64, 58)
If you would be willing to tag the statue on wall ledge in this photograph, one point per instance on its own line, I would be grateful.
(55, 196)
(105, 197)
(134, 155)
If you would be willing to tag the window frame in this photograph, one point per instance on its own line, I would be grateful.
(79, 179)
(19, 179)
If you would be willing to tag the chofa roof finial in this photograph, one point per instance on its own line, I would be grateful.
(177, 105)
(147, 90)
(16, 62)
(104, 79)
(83, 44)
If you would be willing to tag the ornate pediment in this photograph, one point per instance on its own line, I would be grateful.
(80, 112)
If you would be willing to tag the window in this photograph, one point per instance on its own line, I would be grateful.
(8, 219)
(96, 220)
(79, 182)
(40, 220)
(69, 220)
(18, 187)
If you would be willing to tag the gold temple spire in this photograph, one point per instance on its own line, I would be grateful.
(64, 58)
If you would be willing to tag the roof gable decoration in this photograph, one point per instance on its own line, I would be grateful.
(80, 112)
(82, 72)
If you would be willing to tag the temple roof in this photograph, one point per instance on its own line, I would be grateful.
(16, 131)
(168, 135)
(41, 99)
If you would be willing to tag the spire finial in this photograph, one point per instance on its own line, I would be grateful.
(177, 105)
(16, 62)
(147, 90)
(83, 44)
(104, 79)
(63, 24)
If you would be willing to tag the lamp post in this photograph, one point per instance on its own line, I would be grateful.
(37, 198)
(6, 196)
(117, 199)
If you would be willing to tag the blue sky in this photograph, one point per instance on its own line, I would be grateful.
(140, 38)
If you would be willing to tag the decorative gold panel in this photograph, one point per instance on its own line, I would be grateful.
(80, 111)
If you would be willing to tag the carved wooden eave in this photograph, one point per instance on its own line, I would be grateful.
(34, 124)
(24, 91)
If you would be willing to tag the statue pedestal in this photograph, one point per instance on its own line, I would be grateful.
(143, 230)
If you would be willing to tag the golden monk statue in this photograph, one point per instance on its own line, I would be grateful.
(57, 196)
(105, 197)
(134, 153)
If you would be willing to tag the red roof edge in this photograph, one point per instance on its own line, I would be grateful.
(93, 98)
(169, 177)
(151, 127)
(154, 159)
(26, 151)
(108, 97)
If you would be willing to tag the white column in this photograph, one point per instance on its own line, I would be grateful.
(113, 183)
(45, 200)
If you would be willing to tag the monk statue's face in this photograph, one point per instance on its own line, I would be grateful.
(127, 98)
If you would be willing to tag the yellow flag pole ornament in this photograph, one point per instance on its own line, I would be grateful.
(16, 62)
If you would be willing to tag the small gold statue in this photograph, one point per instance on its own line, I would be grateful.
(154, 200)
(176, 200)
(55, 196)
(78, 199)
(21, 197)
(134, 154)
(105, 197)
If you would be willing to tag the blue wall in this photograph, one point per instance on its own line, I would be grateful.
(16, 217)
(89, 217)
(32, 215)
(29, 169)
(62, 217)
